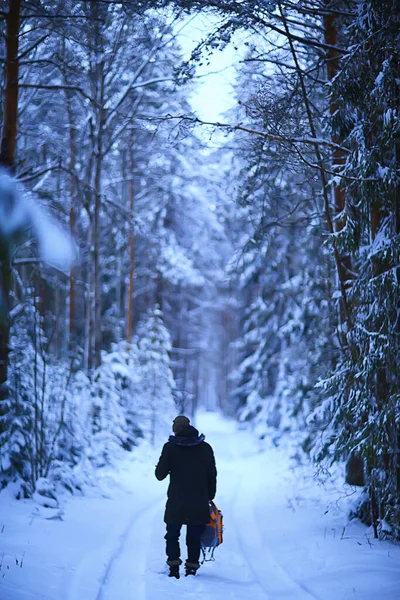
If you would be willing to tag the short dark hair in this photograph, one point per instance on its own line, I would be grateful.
(179, 423)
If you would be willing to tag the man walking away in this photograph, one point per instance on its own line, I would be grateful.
(190, 463)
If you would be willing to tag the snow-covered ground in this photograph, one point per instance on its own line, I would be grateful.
(280, 542)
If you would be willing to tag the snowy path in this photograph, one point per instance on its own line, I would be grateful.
(278, 545)
(231, 576)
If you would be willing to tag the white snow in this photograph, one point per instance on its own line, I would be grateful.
(13, 217)
(55, 245)
(18, 212)
(280, 541)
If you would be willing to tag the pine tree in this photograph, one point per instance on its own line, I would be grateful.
(361, 411)
(154, 346)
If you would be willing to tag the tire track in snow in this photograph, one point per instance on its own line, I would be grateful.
(140, 520)
(242, 466)
(272, 576)
(232, 568)
(233, 529)
(249, 568)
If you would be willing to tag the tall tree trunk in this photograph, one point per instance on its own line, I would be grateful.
(89, 300)
(97, 79)
(7, 157)
(5, 286)
(129, 309)
(72, 221)
(9, 132)
(338, 156)
(96, 262)
(396, 426)
(322, 171)
(98, 73)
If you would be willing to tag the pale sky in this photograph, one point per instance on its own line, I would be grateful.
(213, 94)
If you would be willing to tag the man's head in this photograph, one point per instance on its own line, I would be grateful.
(179, 423)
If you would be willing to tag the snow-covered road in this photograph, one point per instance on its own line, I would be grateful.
(279, 544)
(232, 575)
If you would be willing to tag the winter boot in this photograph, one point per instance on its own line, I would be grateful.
(174, 571)
(191, 568)
(174, 567)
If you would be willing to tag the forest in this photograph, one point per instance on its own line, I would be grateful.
(146, 272)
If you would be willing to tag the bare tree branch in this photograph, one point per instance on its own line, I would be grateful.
(313, 141)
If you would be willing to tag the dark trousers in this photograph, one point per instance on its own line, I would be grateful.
(193, 535)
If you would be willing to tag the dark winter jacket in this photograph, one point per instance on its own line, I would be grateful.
(190, 463)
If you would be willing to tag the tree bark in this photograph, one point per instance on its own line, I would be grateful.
(9, 131)
(5, 286)
(72, 221)
(338, 155)
(96, 261)
(396, 426)
(98, 72)
(93, 342)
(324, 182)
(131, 284)
(7, 158)
(89, 301)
